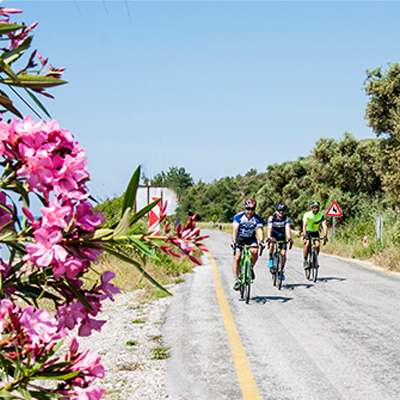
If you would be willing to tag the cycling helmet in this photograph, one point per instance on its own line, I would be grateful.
(280, 207)
(249, 203)
(315, 203)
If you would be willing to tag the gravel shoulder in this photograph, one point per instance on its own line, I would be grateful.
(126, 344)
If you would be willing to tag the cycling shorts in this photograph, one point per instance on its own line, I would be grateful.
(279, 238)
(241, 241)
(312, 234)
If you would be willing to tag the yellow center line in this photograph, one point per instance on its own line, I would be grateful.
(245, 376)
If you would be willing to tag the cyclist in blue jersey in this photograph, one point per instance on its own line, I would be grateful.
(278, 228)
(244, 227)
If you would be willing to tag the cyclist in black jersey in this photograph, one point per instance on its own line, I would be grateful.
(278, 228)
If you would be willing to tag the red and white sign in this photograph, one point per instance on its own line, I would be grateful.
(334, 211)
(154, 218)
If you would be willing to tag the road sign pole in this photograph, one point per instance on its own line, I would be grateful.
(333, 228)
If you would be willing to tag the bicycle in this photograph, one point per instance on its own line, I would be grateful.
(278, 267)
(312, 258)
(246, 271)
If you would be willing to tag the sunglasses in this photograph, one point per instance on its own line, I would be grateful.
(315, 208)
(250, 209)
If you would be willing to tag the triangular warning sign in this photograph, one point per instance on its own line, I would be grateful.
(334, 210)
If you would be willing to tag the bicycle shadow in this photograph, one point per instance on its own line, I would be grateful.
(265, 299)
(292, 286)
(332, 278)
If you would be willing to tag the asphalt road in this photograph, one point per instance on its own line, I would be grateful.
(338, 338)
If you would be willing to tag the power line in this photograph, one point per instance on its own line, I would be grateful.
(129, 14)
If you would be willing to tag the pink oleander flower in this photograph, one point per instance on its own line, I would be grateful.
(108, 288)
(39, 171)
(71, 315)
(91, 254)
(38, 324)
(88, 324)
(6, 306)
(70, 192)
(46, 250)
(88, 393)
(5, 216)
(54, 215)
(6, 11)
(73, 169)
(72, 267)
(90, 365)
(86, 219)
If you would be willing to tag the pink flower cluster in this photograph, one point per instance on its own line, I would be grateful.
(50, 162)
(46, 157)
(31, 335)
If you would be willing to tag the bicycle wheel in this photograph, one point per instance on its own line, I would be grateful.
(315, 266)
(307, 271)
(247, 284)
(279, 272)
(274, 268)
(242, 285)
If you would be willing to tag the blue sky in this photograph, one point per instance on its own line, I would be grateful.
(215, 87)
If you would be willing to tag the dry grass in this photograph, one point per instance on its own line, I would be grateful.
(128, 277)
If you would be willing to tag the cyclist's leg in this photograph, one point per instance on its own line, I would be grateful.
(236, 262)
(305, 249)
(271, 252)
(317, 246)
(253, 251)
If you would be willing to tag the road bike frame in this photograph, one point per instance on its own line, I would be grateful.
(312, 258)
(278, 267)
(246, 269)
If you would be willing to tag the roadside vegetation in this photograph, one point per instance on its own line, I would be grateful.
(362, 176)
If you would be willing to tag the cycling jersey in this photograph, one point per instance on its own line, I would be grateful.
(247, 226)
(313, 220)
(278, 227)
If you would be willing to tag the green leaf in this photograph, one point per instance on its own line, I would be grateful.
(25, 393)
(6, 69)
(36, 82)
(8, 396)
(8, 104)
(10, 56)
(98, 234)
(124, 257)
(135, 217)
(7, 28)
(130, 192)
(78, 294)
(143, 247)
(58, 375)
(123, 225)
(38, 103)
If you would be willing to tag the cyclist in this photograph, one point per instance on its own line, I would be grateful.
(278, 229)
(312, 221)
(244, 227)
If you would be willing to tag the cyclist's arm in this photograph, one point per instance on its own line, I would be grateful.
(288, 232)
(235, 228)
(269, 231)
(304, 227)
(324, 228)
(260, 233)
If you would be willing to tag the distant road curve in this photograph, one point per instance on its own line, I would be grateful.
(336, 339)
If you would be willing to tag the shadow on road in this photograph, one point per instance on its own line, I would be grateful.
(332, 278)
(292, 286)
(265, 299)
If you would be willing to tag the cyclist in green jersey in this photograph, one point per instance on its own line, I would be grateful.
(312, 221)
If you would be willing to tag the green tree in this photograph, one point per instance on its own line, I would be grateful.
(383, 116)
(383, 108)
(175, 178)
